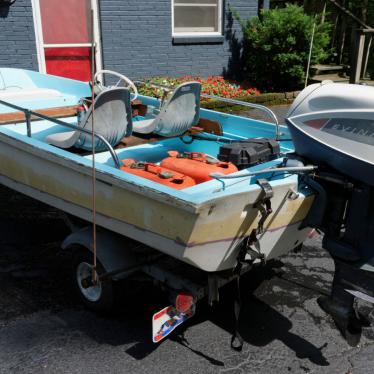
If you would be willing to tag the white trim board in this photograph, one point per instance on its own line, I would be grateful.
(40, 45)
(220, 6)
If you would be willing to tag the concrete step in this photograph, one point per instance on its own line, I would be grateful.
(327, 67)
(331, 77)
(321, 69)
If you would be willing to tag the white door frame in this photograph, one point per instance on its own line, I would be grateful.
(40, 46)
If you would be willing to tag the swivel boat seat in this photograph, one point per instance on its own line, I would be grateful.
(179, 113)
(112, 118)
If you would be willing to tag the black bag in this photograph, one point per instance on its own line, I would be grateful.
(246, 153)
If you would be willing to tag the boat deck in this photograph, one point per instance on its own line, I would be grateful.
(154, 148)
(39, 94)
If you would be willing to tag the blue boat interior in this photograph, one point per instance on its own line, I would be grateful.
(68, 92)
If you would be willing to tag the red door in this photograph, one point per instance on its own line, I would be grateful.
(65, 40)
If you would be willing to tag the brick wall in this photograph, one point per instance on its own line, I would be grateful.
(137, 40)
(17, 36)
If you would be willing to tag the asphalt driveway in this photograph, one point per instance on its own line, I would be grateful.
(43, 329)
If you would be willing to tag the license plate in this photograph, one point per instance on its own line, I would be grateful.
(166, 321)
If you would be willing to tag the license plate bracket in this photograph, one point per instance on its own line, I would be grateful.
(167, 320)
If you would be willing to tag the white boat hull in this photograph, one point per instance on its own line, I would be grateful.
(206, 235)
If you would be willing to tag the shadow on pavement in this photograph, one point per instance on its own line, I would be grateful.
(260, 323)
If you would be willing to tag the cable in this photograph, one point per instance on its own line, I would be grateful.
(94, 274)
(4, 84)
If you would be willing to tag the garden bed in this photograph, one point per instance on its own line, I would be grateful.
(266, 99)
(218, 86)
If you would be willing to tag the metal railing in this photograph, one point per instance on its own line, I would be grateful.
(28, 113)
(265, 109)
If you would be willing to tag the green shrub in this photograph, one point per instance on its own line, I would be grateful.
(276, 47)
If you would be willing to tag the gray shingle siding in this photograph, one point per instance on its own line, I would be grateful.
(137, 40)
(17, 36)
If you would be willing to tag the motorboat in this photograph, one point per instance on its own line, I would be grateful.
(46, 152)
(193, 197)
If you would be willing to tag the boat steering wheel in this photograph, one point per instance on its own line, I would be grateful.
(130, 83)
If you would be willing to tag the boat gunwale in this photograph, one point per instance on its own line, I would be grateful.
(161, 193)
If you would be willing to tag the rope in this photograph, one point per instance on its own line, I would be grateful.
(4, 84)
(94, 273)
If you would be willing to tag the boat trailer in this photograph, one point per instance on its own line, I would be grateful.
(185, 284)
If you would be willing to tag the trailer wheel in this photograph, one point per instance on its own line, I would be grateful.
(99, 297)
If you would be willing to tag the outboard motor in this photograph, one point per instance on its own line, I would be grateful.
(332, 126)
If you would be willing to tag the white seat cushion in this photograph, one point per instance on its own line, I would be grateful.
(29, 94)
(145, 126)
(63, 139)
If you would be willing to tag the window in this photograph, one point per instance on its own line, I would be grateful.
(197, 17)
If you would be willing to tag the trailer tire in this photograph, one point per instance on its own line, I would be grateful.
(99, 298)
